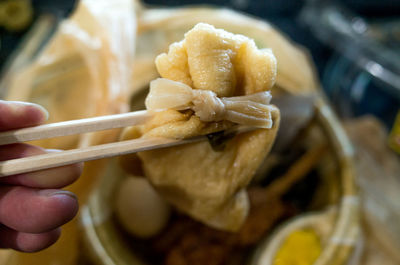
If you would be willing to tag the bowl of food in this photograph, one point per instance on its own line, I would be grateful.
(176, 215)
(330, 212)
(271, 172)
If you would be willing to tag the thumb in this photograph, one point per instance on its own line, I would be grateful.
(14, 115)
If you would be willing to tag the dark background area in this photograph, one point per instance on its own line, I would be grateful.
(283, 14)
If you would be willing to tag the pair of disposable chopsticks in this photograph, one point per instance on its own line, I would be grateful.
(56, 159)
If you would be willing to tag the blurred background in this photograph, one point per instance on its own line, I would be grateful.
(354, 44)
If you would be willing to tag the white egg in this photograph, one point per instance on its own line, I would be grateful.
(140, 210)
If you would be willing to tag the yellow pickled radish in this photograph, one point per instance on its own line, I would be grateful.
(301, 247)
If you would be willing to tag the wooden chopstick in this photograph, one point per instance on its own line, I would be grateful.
(75, 127)
(56, 159)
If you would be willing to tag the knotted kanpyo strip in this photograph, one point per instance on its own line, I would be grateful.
(251, 110)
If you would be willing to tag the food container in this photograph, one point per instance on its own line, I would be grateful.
(104, 240)
(105, 243)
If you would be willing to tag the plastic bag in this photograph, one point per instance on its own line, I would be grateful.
(85, 69)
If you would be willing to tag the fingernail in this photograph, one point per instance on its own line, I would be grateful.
(52, 193)
(44, 112)
(54, 178)
(18, 105)
(42, 109)
(53, 150)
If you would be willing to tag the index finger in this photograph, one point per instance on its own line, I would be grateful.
(15, 114)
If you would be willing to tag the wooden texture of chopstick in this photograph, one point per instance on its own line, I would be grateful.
(62, 158)
(75, 127)
(56, 159)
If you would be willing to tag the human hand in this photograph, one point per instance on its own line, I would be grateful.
(32, 206)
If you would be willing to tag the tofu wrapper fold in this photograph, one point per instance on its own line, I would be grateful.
(251, 110)
(210, 81)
